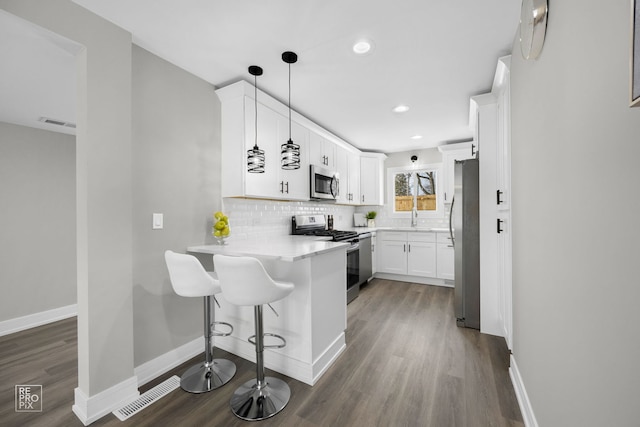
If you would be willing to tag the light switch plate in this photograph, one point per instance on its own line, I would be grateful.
(158, 221)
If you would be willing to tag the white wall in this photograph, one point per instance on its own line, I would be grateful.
(38, 226)
(176, 158)
(575, 151)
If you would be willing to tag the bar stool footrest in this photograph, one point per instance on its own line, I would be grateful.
(216, 333)
(252, 340)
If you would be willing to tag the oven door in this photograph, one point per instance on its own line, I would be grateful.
(353, 270)
(324, 183)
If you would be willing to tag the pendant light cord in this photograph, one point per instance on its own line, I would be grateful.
(255, 98)
(289, 101)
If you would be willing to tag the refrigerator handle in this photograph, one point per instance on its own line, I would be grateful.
(453, 200)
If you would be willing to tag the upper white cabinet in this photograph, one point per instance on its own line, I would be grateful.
(321, 151)
(348, 167)
(371, 178)
(273, 131)
(317, 146)
(451, 153)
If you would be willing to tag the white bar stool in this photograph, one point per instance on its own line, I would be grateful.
(244, 281)
(189, 279)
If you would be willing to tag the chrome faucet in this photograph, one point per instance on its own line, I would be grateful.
(414, 217)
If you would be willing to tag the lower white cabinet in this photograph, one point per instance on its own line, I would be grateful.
(408, 253)
(392, 252)
(374, 253)
(421, 257)
(445, 255)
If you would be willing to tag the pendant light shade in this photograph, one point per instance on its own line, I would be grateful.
(289, 151)
(255, 156)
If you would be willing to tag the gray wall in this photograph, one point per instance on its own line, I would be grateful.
(575, 214)
(103, 191)
(38, 220)
(176, 157)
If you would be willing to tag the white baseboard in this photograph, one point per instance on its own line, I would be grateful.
(90, 409)
(305, 371)
(415, 279)
(154, 368)
(328, 357)
(521, 394)
(37, 319)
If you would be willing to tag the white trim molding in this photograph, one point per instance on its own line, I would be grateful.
(152, 369)
(91, 408)
(37, 319)
(521, 394)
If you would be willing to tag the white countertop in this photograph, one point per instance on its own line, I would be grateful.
(285, 248)
(415, 229)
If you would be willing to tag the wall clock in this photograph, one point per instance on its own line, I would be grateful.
(533, 25)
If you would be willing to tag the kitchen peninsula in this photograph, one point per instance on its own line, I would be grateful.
(312, 319)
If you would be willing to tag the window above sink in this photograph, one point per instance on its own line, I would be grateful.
(415, 190)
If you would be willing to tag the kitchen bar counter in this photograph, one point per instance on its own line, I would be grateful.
(286, 248)
(313, 318)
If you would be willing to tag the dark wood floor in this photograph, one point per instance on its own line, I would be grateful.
(406, 364)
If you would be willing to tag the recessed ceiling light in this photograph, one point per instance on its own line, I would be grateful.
(401, 108)
(362, 47)
(416, 137)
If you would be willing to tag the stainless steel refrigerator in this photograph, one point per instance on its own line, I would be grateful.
(464, 226)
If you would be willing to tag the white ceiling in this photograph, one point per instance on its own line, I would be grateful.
(429, 54)
(37, 75)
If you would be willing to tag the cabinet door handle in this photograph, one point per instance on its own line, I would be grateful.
(498, 199)
(409, 245)
(449, 246)
(363, 198)
(473, 150)
(282, 186)
(287, 187)
(499, 225)
(404, 247)
(445, 196)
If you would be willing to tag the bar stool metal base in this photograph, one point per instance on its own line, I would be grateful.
(254, 404)
(205, 377)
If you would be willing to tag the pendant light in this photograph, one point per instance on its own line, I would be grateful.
(289, 151)
(255, 156)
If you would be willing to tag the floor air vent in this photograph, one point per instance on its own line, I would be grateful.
(147, 398)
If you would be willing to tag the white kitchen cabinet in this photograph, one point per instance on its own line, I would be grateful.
(445, 256)
(294, 182)
(348, 167)
(353, 185)
(421, 255)
(371, 178)
(493, 135)
(321, 151)
(273, 131)
(374, 253)
(238, 136)
(407, 253)
(451, 153)
(392, 252)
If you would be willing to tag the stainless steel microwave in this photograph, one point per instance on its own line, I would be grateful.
(324, 183)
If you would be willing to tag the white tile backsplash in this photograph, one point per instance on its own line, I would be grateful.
(270, 218)
(383, 219)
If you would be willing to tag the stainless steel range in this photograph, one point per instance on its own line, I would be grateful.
(316, 225)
